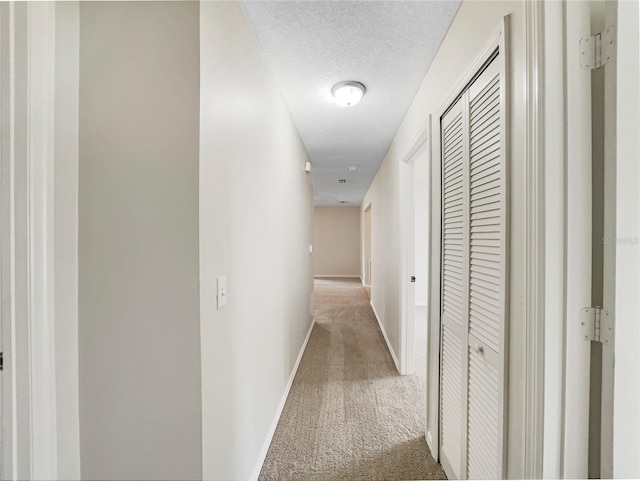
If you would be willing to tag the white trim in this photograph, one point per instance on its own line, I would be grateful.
(432, 421)
(497, 41)
(285, 395)
(429, 439)
(609, 125)
(384, 334)
(434, 286)
(626, 407)
(555, 255)
(421, 141)
(407, 250)
(490, 46)
(535, 239)
(41, 101)
(16, 420)
(66, 237)
(578, 244)
(365, 264)
(28, 76)
(338, 276)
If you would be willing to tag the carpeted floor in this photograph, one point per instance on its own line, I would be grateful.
(349, 414)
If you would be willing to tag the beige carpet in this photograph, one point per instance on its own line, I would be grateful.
(349, 414)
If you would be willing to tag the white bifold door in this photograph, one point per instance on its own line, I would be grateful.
(474, 249)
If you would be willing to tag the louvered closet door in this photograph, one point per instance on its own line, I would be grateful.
(473, 274)
(455, 273)
(486, 277)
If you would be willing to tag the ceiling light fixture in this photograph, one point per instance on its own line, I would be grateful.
(353, 168)
(348, 93)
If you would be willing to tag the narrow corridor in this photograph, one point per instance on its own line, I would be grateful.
(349, 414)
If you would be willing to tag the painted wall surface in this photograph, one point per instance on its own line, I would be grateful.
(384, 195)
(469, 32)
(336, 241)
(256, 214)
(67, 45)
(139, 331)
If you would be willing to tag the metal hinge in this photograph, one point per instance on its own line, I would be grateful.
(1, 361)
(597, 50)
(596, 324)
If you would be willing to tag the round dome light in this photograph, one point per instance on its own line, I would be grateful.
(348, 93)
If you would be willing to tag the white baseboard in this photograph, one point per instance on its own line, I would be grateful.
(429, 440)
(274, 425)
(384, 334)
(340, 276)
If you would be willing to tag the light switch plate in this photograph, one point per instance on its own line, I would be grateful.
(222, 291)
(310, 248)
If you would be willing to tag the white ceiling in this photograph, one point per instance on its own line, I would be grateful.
(313, 45)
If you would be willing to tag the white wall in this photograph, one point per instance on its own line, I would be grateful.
(470, 30)
(66, 237)
(384, 195)
(336, 241)
(626, 409)
(139, 332)
(256, 211)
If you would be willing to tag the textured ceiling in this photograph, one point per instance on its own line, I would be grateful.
(313, 45)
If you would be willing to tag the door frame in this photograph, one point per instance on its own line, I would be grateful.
(626, 397)
(498, 40)
(366, 246)
(421, 144)
(29, 418)
(578, 246)
(534, 328)
(552, 93)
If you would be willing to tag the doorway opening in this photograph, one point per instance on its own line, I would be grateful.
(367, 251)
(414, 179)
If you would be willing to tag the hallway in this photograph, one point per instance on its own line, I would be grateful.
(349, 414)
(193, 193)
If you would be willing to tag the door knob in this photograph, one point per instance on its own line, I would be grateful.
(478, 348)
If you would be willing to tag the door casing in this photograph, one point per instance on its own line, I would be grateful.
(497, 41)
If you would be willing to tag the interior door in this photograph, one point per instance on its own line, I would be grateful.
(474, 248)
(487, 275)
(454, 289)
